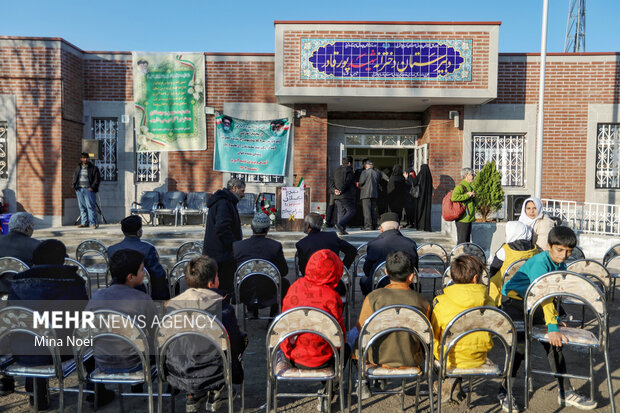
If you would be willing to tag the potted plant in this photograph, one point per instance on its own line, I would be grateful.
(489, 191)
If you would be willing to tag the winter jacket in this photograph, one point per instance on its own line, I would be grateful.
(319, 240)
(17, 245)
(460, 195)
(369, 183)
(343, 181)
(470, 351)
(513, 251)
(315, 289)
(94, 176)
(46, 288)
(387, 242)
(192, 364)
(223, 226)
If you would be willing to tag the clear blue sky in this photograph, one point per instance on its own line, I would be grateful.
(247, 26)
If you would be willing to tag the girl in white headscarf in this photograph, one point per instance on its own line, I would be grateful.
(518, 245)
(532, 215)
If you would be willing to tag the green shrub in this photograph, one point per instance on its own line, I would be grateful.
(488, 189)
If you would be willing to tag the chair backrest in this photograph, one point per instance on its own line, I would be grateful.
(611, 253)
(82, 272)
(613, 265)
(191, 323)
(304, 320)
(173, 199)
(91, 247)
(447, 277)
(432, 252)
(378, 274)
(12, 265)
(149, 200)
(297, 269)
(469, 248)
(247, 204)
(591, 267)
(189, 247)
(197, 200)
(512, 270)
(478, 319)
(257, 266)
(147, 282)
(358, 265)
(577, 254)
(361, 249)
(176, 274)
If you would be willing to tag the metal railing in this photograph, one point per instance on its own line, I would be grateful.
(585, 216)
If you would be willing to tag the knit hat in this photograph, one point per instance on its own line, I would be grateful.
(389, 216)
(131, 224)
(261, 220)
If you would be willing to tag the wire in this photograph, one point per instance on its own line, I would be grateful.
(319, 120)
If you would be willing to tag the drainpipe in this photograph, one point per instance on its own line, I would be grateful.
(541, 102)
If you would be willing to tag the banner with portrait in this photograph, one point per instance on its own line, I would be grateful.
(251, 147)
(169, 97)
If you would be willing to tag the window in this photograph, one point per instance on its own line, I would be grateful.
(4, 159)
(505, 150)
(381, 140)
(607, 156)
(147, 166)
(106, 131)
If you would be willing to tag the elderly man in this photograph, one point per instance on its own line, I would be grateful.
(132, 229)
(18, 243)
(369, 192)
(259, 293)
(223, 229)
(390, 240)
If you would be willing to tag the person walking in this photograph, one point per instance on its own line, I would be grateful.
(86, 178)
(223, 229)
(397, 190)
(464, 192)
(344, 194)
(424, 202)
(369, 192)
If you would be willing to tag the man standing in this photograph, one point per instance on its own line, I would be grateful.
(224, 228)
(132, 229)
(86, 180)
(369, 192)
(344, 194)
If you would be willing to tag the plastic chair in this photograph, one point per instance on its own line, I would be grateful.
(176, 276)
(430, 257)
(20, 320)
(576, 287)
(190, 324)
(84, 253)
(9, 266)
(390, 320)
(170, 206)
(478, 319)
(256, 268)
(147, 205)
(468, 248)
(297, 321)
(82, 272)
(196, 204)
(189, 247)
(113, 324)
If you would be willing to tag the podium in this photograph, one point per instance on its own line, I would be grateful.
(286, 224)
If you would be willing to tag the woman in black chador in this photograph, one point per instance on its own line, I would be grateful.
(424, 208)
(397, 191)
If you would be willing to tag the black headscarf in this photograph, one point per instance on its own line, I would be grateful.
(424, 180)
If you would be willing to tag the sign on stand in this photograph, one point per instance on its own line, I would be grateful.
(294, 205)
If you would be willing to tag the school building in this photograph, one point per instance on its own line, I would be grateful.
(395, 92)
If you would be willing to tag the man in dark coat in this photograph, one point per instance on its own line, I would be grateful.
(369, 192)
(223, 229)
(344, 194)
(86, 178)
(390, 240)
(132, 229)
(259, 292)
(18, 243)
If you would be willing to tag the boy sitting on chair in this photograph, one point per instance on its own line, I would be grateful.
(466, 292)
(193, 366)
(396, 349)
(561, 242)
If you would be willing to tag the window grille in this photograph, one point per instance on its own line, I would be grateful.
(505, 150)
(607, 156)
(147, 166)
(261, 179)
(106, 131)
(4, 159)
(381, 140)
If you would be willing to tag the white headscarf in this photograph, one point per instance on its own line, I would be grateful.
(527, 220)
(516, 230)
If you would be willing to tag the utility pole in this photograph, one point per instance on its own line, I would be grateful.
(575, 41)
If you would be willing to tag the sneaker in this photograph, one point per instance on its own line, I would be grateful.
(366, 394)
(502, 397)
(217, 398)
(194, 401)
(572, 398)
(341, 230)
(94, 226)
(82, 226)
(42, 395)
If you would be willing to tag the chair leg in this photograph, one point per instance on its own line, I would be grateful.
(509, 391)
(417, 394)
(330, 389)
(268, 404)
(80, 397)
(469, 395)
(61, 395)
(230, 396)
(149, 386)
(430, 391)
(341, 394)
(242, 396)
(526, 389)
(402, 395)
(120, 397)
(591, 374)
(609, 383)
(275, 395)
(34, 394)
(160, 396)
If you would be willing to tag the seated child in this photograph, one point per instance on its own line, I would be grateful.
(193, 366)
(561, 242)
(518, 245)
(127, 270)
(396, 349)
(466, 292)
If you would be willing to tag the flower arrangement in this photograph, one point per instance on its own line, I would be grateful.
(270, 212)
(318, 211)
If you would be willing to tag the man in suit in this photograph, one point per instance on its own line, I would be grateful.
(390, 240)
(344, 191)
(369, 192)
(132, 229)
(258, 293)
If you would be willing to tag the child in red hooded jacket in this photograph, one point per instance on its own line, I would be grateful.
(316, 289)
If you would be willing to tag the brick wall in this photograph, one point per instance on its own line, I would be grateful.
(311, 149)
(72, 69)
(108, 79)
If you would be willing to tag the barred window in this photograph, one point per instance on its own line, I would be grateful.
(106, 131)
(4, 159)
(505, 150)
(608, 156)
(147, 166)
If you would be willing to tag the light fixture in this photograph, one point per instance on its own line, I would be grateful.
(454, 114)
(300, 113)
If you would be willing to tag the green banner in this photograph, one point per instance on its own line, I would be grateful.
(169, 96)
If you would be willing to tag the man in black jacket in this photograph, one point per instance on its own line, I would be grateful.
(369, 192)
(390, 240)
(86, 180)
(224, 228)
(344, 194)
